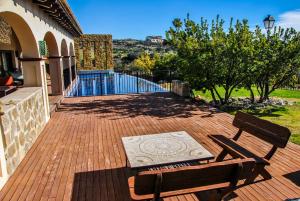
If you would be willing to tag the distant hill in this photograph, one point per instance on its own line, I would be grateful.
(126, 50)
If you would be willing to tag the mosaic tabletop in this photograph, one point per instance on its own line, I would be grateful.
(162, 149)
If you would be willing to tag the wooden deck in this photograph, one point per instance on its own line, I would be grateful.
(79, 155)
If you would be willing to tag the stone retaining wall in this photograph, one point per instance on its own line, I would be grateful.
(22, 121)
(180, 88)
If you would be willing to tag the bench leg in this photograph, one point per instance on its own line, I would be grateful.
(211, 195)
(259, 170)
(221, 156)
(157, 187)
(265, 174)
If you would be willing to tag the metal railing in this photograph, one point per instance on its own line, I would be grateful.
(92, 83)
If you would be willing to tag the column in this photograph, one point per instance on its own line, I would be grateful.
(70, 70)
(34, 73)
(55, 66)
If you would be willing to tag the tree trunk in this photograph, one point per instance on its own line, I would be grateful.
(219, 96)
(213, 96)
(267, 89)
(226, 98)
(261, 91)
(252, 97)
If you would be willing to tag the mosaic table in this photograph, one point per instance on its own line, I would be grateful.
(163, 149)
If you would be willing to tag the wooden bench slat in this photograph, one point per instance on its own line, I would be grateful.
(135, 196)
(272, 133)
(235, 149)
(190, 179)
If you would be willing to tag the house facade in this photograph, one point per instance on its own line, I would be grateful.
(37, 52)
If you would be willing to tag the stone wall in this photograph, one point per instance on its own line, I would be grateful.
(103, 52)
(22, 120)
(180, 88)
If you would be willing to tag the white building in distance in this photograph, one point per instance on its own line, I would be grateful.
(154, 39)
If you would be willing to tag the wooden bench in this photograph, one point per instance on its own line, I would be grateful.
(219, 178)
(274, 134)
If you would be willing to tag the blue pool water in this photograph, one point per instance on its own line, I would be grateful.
(93, 83)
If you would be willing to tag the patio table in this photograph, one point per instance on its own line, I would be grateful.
(156, 150)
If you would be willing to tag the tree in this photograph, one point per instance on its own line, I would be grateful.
(236, 58)
(167, 61)
(145, 62)
(166, 67)
(211, 57)
(277, 59)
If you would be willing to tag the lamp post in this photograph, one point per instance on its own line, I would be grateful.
(269, 22)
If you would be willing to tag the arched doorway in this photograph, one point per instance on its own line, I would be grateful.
(54, 73)
(10, 51)
(24, 38)
(73, 62)
(66, 63)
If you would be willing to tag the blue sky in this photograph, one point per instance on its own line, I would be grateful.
(140, 18)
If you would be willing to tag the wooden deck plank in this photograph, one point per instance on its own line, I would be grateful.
(80, 156)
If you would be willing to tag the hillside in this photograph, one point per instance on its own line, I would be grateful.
(126, 50)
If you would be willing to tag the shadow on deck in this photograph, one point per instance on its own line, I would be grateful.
(161, 105)
(80, 156)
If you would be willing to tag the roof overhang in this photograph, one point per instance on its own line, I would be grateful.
(61, 13)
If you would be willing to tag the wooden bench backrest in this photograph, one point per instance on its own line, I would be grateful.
(210, 175)
(272, 133)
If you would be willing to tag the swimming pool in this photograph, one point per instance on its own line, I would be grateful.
(95, 83)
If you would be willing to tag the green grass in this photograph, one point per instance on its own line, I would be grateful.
(288, 116)
(280, 93)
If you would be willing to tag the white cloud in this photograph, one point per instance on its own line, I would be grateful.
(290, 19)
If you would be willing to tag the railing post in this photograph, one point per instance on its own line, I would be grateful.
(101, 91)
(137, 82)
(170, 78)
